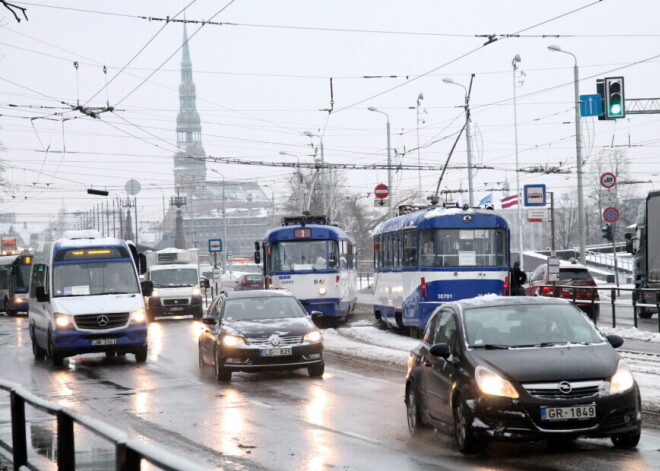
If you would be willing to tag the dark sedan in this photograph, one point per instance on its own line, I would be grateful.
(259, 330)
(507, 368)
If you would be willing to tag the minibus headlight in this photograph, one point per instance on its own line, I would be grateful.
(63, 321)
(196, 291)
(139, 316)
(19, 300)
(155, 293)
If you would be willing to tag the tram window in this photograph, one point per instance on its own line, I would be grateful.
(409, 249)
(426, 253)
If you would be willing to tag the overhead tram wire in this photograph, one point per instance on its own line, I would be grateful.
(136, 55)
(491, 40)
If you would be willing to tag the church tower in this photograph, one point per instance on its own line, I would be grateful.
(189, 162)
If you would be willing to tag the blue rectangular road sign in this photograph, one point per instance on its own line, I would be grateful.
(591, 105)
(534, 195)
(215, 245)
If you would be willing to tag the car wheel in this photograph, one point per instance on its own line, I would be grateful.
(141, 355)
(198, 315)
(56, 359)
(415, 424)
(316, 371)
(38, 352)
(221, 374)
(463, 433)
(626, 440)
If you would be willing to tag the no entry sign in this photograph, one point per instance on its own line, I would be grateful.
(381, 191)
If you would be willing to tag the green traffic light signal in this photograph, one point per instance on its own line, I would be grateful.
(614, 98)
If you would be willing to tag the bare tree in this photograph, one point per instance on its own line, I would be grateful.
(566, 222)
(12, 8)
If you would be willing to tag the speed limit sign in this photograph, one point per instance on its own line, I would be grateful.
(608, 180)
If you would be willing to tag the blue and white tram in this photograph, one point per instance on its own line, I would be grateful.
(435, 255)
(315, 261)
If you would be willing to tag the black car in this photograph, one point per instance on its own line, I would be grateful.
(520, 368)
(259, 330)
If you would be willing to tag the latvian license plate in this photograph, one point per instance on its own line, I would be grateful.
(587, 411)
(104, 342)
(275, 352)
(178, 308)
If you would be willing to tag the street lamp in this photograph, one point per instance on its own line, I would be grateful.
(323, 188)
(225, 246)
(521, 229)
(389, 160)
(419, 164)
(578, 152)
(300, 192)
(467, 136)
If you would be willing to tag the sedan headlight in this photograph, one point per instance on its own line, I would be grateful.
(493, 384)
(622, 380)
(63, 321)
(139, 316)
(19, 300)
(232, 340)
(313, 337)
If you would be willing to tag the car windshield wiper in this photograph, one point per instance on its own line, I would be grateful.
(491, 346)
(540, 345)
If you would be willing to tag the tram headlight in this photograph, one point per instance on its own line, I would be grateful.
(323, 290)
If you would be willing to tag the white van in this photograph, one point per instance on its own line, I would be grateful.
(85, 297)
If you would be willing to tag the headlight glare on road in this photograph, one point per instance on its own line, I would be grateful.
(622, 380)
(493, 384)
(313, 337)
(232, 340)
(63, 320)
(139, 316)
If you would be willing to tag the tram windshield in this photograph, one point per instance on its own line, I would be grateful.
(462, 248)
(304, 255)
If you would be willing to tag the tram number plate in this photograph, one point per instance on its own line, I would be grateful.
(568, 413)
(104, 342)
(275, 352)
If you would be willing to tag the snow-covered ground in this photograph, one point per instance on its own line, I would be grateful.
(364, 341)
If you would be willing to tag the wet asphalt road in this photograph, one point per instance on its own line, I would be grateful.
(352, 419)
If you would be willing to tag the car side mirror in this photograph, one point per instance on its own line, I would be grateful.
(209, 320)
(147, 287)
(42, 296)
(615, 341)
(316, 314)
(440, 350)
(204, 283)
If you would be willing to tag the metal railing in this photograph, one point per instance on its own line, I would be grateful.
(607, 260)
(129, 453)
(639, 296)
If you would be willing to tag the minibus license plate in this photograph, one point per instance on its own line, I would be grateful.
(104, 342)
(275, 352)
(587, 411)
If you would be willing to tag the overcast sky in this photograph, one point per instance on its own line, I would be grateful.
(263, 78)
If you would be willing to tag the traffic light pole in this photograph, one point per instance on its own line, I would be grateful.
(616, 264)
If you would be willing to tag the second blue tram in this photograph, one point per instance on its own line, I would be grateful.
(315, 261)
(434, 255)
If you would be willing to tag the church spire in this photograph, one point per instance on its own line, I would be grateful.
(189, 164)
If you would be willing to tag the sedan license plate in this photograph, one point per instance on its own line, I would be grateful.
(569, 413)
(275, 352)
(104, 342)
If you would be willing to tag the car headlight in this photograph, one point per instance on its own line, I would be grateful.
(155, 293)
(196, 291)
(19, 300)
(232, 340)
(493, 384)
(622, 380)
(323, 290)
(138, 316)
(63, 320)
(313, 337)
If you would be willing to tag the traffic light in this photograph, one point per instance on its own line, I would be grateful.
(607, 233)
(615, 104)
